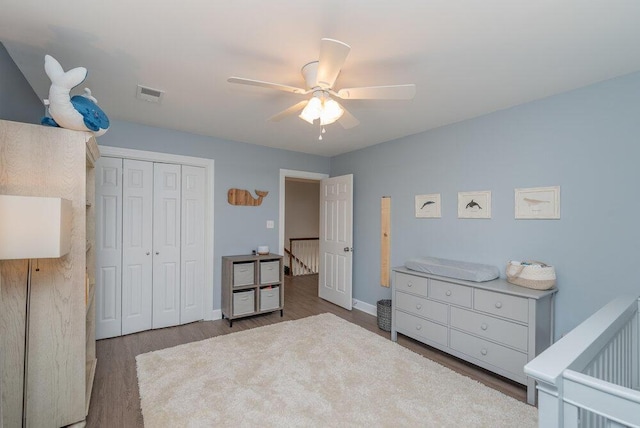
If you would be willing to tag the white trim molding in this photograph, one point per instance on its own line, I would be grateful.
(365, 307)
(208, 165)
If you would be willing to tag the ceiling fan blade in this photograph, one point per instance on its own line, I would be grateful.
(269, 85)
(291, 110)
(333, 53)
(392, 92)
(347, 120)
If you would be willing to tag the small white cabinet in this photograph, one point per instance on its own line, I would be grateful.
(251, 285)
(495, 325)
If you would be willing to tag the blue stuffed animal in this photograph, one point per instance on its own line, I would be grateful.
(80, 112)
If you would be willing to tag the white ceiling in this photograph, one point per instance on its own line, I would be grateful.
(467, 58)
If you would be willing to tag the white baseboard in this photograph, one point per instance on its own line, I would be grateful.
(365, 307)
(216, 314)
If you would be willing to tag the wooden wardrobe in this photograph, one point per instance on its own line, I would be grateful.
(43, 161)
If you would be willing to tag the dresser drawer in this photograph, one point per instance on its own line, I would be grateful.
(450, 293)
(412, 284)
(491, 353)
(421, 307)
(421, 329)
(506, 332)
(504, 305)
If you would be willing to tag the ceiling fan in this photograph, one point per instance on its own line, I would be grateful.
(320, 77)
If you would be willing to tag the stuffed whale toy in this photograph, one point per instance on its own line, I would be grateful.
(80, 112)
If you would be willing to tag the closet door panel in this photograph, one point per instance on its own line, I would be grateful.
(137, 258)
(109, 247)
(192, 247)
(166, 242)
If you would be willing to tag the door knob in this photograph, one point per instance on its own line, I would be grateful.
(148, 252)
(347, 249)
(157, 252)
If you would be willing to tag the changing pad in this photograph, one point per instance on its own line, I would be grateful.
(454, 269)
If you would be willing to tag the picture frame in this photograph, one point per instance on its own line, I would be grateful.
(428, 206)
(541, 203)
(474, 204)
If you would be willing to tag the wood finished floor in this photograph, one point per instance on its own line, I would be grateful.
(115, 400)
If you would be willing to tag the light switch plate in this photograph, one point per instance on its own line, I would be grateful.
(270, 224)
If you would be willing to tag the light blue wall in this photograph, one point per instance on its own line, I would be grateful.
(18, 102)
(587, 141)
(237, 229)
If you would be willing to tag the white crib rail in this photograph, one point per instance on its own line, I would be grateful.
(591, 377)
(596, 403)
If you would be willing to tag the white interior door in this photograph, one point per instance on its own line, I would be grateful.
(137, 218)
(108, 247)
(192, 248)
(336, 240)
(166, 244)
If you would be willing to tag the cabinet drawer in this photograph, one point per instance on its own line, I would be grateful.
(244, 302)
(421, 329)
(450, 293)
(421, 307)
(504, 305)
(242, 274)
(492, 353)
(269, 298)
(502, 331)
(412, 284)
(269, 272)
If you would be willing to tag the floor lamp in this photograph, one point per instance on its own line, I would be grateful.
(33, 228)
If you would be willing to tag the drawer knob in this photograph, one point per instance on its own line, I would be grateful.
(498, 305)
(418, 306)
(409, 284)
(418, 327)
(483, 351)
(448, 293)
(484, 326)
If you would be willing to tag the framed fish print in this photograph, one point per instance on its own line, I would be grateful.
(428, 206)
(538, 203)
(474, 204)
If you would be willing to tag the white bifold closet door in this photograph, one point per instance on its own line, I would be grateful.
(137, 245)
(166, 244)
(162, 247)
(192, 245)
(108, 247)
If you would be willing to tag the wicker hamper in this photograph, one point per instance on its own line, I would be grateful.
(384, 314)
(531, 274)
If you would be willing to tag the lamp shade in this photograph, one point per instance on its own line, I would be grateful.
(34, 227)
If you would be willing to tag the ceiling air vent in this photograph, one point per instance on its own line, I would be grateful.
(149, 94)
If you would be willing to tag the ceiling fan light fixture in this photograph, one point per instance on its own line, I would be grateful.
(325, 109)
(312, 111)
(331, 112)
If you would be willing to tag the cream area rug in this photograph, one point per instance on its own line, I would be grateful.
(316, 371)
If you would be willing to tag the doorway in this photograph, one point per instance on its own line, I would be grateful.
(293, 184)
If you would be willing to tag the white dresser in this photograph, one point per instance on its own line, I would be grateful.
(493, 324)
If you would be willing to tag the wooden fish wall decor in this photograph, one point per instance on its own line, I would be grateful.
(244, 197)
